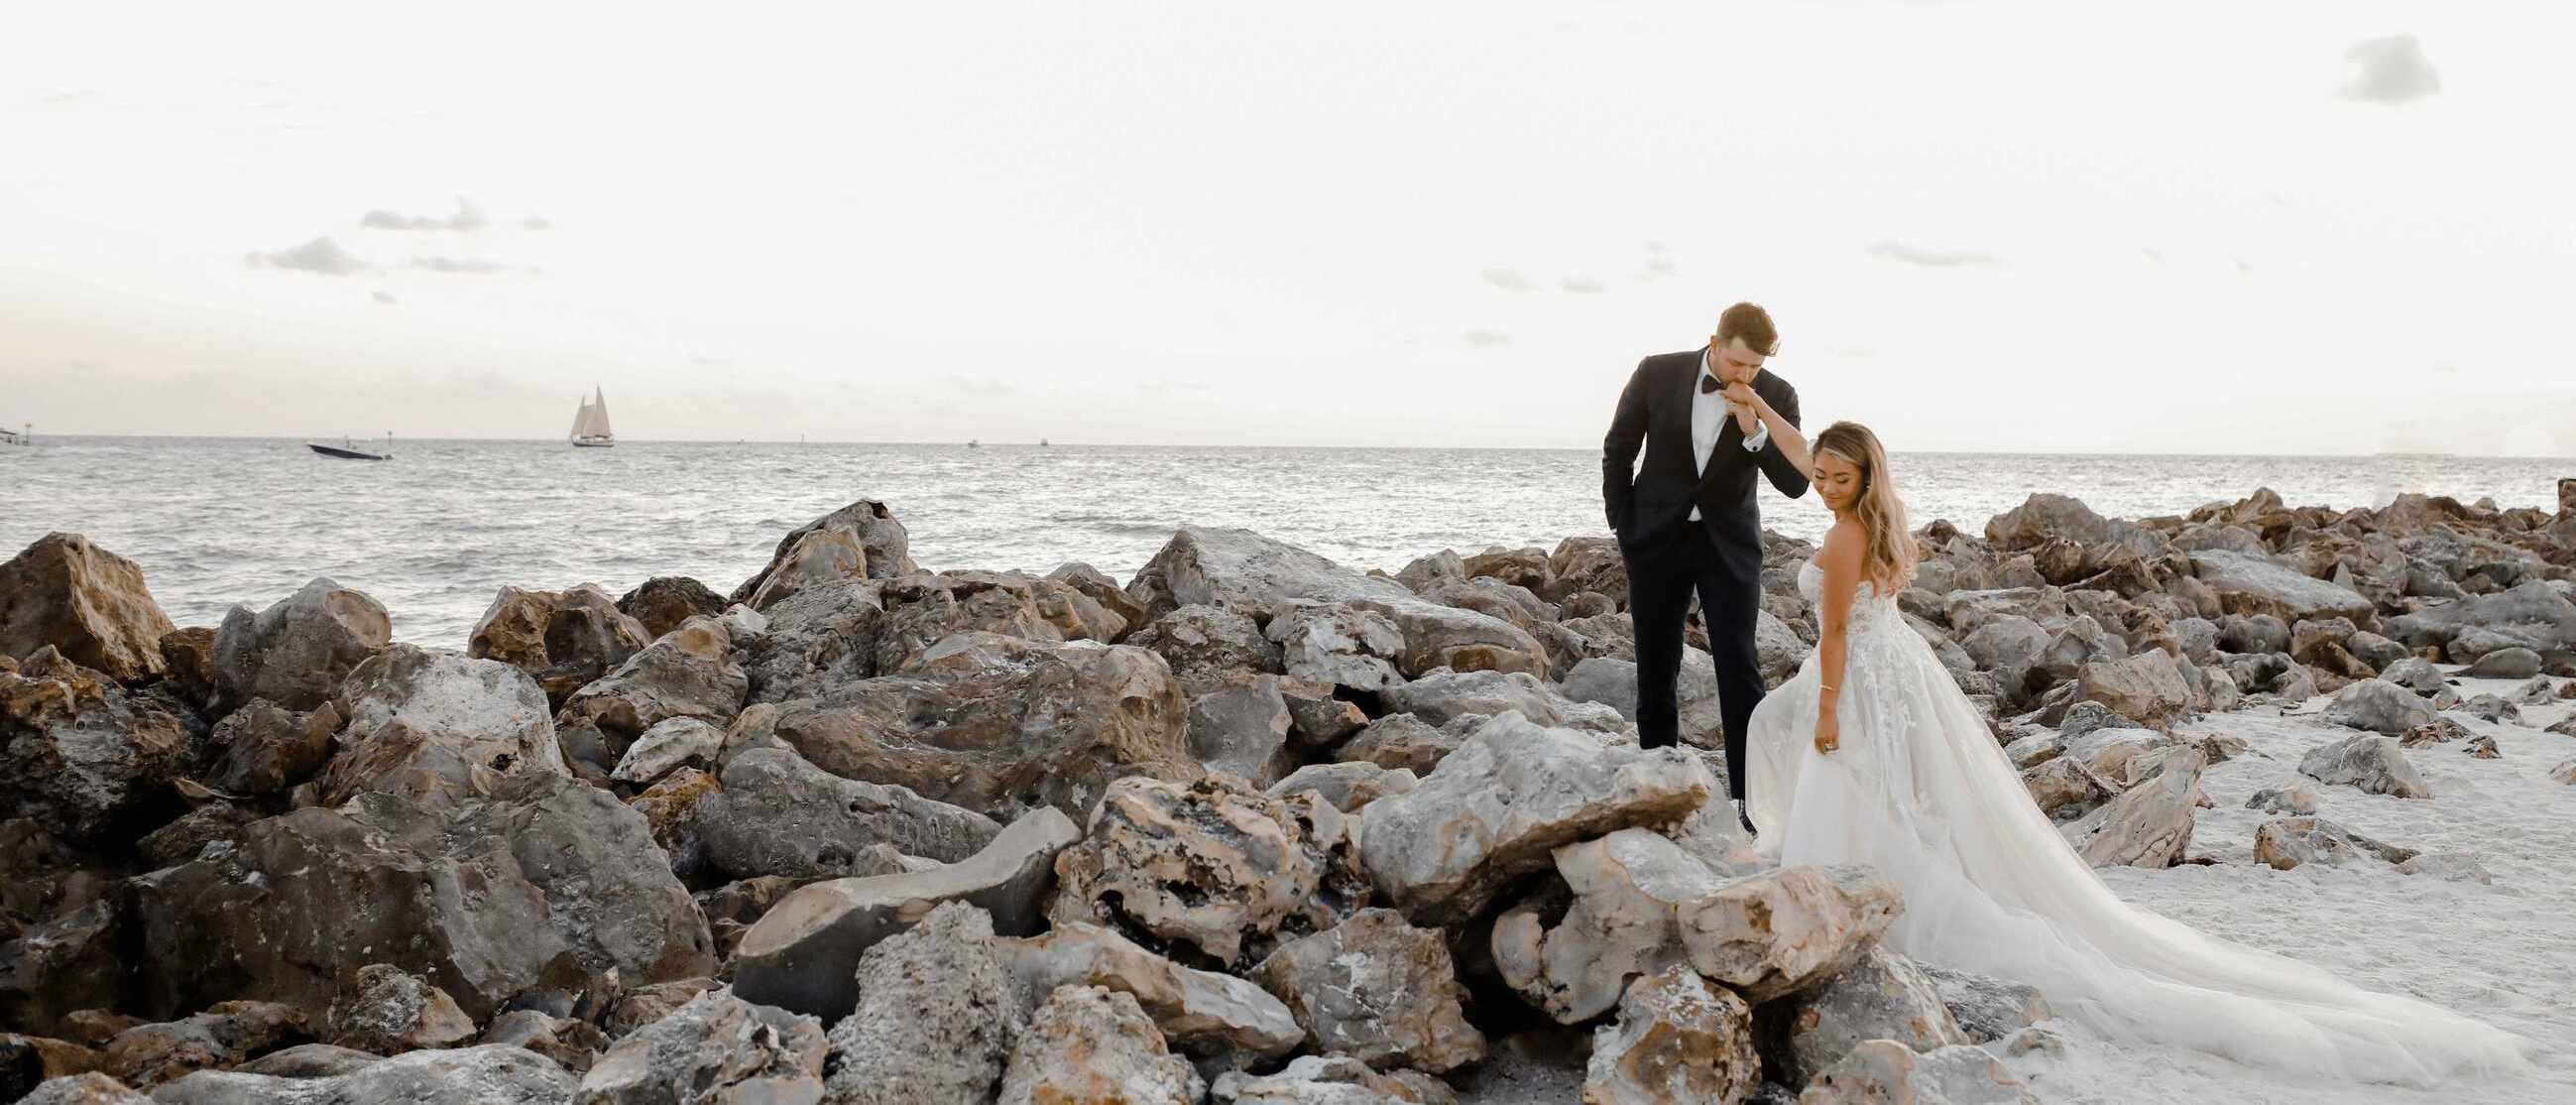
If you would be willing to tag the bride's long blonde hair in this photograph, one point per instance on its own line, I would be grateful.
(1888, 552)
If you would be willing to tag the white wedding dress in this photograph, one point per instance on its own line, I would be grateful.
(1919, 790)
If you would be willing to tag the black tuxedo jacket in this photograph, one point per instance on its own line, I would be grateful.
(1648, 509)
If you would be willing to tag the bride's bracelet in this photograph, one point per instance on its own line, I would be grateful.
(1828, 686)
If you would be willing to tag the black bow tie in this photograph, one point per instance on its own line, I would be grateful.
(1707, 383)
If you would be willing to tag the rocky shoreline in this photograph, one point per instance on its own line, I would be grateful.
(1249, 828)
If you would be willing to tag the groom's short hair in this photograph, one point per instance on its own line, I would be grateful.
(1751, 323)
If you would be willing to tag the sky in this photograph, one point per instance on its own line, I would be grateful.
(2325, 228)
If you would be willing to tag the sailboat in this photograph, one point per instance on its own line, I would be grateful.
(590, 423)
(348, 450)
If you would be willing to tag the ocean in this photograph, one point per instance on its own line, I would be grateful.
(433, 533)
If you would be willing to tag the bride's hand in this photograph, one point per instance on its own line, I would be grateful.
(1829, 734)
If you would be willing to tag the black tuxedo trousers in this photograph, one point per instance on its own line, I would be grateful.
(1661, 582)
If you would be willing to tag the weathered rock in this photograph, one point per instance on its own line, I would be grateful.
(1637, 897)
(486, 1075)
(1883, 1071)
(1438, 637)
(997, 724)
(1318, 719)
(936, 1018)
(821, 639)
(2295, 797)
(778, 815)
(1090, 1044)
(867, 526)
(296, 652)
(181, 840)
(2065, 788)
(2416, 674)
(1985, 1007)
(1881, 996)
(562, 639)
(261, 749)
(29, 1061)
(1240, 727)
(2380, 706)
(2447, 866)
(688, 672)
(86, 758)
(2540, 691)
(1206, 644)
(1678, 1039)
(2149, 824)
(1403, 742)
(388, 1010)
(478, 714)
(800, 955)
(2492, 709)
(481, 896)
(1249, 573)
(716, 1049)
(1348, 786)
(87, 603)
(86, 1088)
(1378, 990)
(58, 967)
(148, 1055)
(2258, 585)
(1338, 646)
(1442, 696)
(309, 1061)
(2289, 842)
(922, 609)
(1498, 807)
(572, 1044)
(188, 659)
(1200, 1011)
(2531, 615)
(2373, 764)
(1100, 589)
(1329, 1080)
(644, 1005)
(662, 603)
(1214, 871)
(1493, 597)
(2147, 688)
(666, 746)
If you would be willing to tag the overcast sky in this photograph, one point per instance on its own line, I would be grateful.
(2323, 227)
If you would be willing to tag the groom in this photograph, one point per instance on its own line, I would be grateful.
(1687, 521)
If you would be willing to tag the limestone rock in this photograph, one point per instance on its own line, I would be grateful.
(1678, 1039)
(86, 1088)
(572, 1044)
(936, 1018)
(481, 713)
(2147, 688)
(1881, 1071)
(866, 526)
(1329, 1080)
(231, 1032)
(2295, 796)
(1497, 809)
(778, 815)
(668, 745)
(1881, 996)
(1100, 589)
(688, 672)
(716, 1049)
(1349, 786)
(562, 639)
(2373, 764)
(2416, 674)
(1403, 742)
(1213, 869)
(2258, 585)
(1376, 989)
(800, 954)
(2380, 706)
(388, 1010)
(1205, 644)
(482, 896)
(1199, 1011)
(822, 639)
(262, 749)
(1441, 696)
(1090, 1044)
(1246, 572)
(922, 609)
(87, 603)
(296, 652)
(1987, 1008)
(485, 1075)
(2149, 824)
(83, 755)
(2287, 842)
(662, 603)
(1240, 727)
(1339, 646)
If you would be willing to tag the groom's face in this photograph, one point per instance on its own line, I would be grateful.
(1736, 362)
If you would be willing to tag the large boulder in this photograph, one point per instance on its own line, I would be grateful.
(2532, 615)
(922, 609)
(689, 672)
(1987, 1008)
(1246, 572)
(996, 724)
(1339, 645)
(1378, 990)
(1206, 644)
(261, 749)
(717, 1048)
(564, 639)
(2369, 762)
(491, 1074)
(2045, 517)
(1216, 872)
(2287, 842)
(2148, 688)
(1240, 727)
(1876, 1072)
(1203, 1012)
(821, 639)
(802, 951)
(88, 603)
(1498, 807)
(1881, 996)
(1437, 636)
(1442, 696)
(2259, 585)
(296, 652)
(546, 880)
(1093, 1044)
(481, 714)
(388, 1010)
(2149, 824)
(1096, 585)
(87, 758)
(867, 527)
(1348, 786)
(2379, 706)
(1329, 1080)
(1678, 1039)
(662, 603)
(778, 815)
(1612, 682)
(936, 1018)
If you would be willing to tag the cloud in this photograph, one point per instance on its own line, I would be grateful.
(984, 386)
(1581, 285)
(2393, 70)
(386, 298)
(474, 266)
(1486, 339)
(1510, 280)
(466, 218)
(322, 255)
(1931, 258)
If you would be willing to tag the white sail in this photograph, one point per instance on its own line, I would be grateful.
(599, 414)
(590, 423)
(581, 420)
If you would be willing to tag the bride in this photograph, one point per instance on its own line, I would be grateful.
(1871, 754)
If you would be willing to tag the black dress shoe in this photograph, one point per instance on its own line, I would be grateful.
(1746, 818)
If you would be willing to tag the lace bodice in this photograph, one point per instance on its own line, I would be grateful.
(1869, 611)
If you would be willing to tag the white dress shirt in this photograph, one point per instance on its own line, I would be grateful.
(1708, 419)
